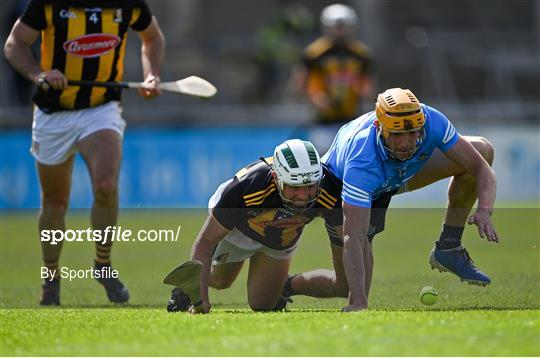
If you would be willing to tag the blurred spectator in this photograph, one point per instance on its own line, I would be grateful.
(335, 72)
(278, 46)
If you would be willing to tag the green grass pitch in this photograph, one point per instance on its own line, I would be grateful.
(502, 319)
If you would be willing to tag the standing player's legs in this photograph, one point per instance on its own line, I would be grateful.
(448, 254)
(55, 183)
(266, 278)
(102, 152)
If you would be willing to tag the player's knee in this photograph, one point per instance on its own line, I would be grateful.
(105, 189)
(54, 204)
(486, 149)
(220, 283)
(261, 306)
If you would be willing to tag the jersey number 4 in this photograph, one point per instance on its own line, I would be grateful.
(94, 18)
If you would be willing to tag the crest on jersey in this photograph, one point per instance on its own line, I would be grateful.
(92, 45)
(117, 16)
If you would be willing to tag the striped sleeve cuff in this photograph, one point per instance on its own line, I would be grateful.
(449, 134)
(450, 138)
(355, 196)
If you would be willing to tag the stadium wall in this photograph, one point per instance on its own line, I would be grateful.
(183, 167)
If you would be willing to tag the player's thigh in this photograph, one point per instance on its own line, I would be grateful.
(55, 182)
(266, 279)
(337, 261)
(439, 166)
(223, 275)
(102, 151)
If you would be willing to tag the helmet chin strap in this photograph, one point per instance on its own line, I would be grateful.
(392, 153)
(288, 203)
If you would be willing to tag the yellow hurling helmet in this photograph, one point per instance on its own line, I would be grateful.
(398, 110)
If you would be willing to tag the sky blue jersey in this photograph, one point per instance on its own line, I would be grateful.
(357, 156)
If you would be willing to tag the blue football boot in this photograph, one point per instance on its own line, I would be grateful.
(458, 262)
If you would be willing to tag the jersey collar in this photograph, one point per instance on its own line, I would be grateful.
(380, 145)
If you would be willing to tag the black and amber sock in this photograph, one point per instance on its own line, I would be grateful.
(53, 269)
(103, 254)
(450, 237)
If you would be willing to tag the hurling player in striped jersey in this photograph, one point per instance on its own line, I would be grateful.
(259, 215)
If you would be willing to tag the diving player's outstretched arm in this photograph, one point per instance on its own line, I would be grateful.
(209, 236)
(357, 255)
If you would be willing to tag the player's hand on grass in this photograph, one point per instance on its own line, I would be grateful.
(202, 308)
(482, 219)
(150, 87)
(51, 79)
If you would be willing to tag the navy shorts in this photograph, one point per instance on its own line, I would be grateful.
(379, 207)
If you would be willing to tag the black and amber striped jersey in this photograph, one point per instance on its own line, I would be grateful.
(339, 70)
(252, 205)
(85, 40)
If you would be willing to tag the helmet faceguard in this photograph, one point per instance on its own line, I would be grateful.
(399, 111)
(298, 171)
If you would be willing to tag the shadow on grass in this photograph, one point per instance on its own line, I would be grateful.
(229, 309)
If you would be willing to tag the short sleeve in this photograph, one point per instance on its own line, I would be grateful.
(333, 217)
(333, 235)
(441, 129)
(226, 205)
(145, 16)
(330, 199)
(359, 185)
(34, 15)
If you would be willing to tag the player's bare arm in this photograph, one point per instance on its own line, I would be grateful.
(17, 52)
(357, 255)
(152, 55)
(464, 154)
(209, 236)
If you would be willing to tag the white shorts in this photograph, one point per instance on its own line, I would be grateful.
(55, 135)
(236, 246)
